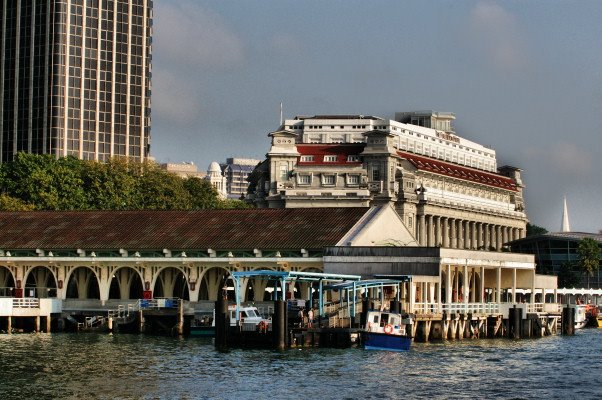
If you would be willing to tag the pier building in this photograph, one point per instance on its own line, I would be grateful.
(448, 190)
(117, 257)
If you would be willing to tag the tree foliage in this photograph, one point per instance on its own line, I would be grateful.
(534, 230)
(43, 182)
(588, 253)
(568, 277)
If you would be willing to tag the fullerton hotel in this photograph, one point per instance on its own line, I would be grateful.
(449, 191)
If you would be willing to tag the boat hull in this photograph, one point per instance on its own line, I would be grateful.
(202, 331)
(383, 341)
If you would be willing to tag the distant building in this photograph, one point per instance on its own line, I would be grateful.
(236, 171)
(447, 189)
(75, 78)
(217, 179)
(185, 169)
(552, 250)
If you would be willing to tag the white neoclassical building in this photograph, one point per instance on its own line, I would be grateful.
(217, 179)
(448, 190)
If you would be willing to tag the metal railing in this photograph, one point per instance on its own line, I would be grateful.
(158, 303)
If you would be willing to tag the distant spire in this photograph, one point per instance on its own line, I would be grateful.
(565, 218)
(281, 113)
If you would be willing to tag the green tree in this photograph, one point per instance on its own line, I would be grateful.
(8, 203)
(162, 190)
(568, 277)
(588, 253)
(534, 230)
(232, 204)
(203, 194)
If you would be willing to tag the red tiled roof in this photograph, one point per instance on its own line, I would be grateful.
(457, 171)
(309, 228)
(319, 150)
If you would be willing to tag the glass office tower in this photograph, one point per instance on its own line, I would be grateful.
(75, 78)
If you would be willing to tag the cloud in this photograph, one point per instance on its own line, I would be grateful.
(496, 34)
(191, 36)
(174, 99)
(563, 158)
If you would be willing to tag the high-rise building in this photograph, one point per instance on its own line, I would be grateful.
(75, 78)
(236, 171)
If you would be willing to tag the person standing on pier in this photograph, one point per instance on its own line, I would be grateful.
(301, 316)
(310, 318)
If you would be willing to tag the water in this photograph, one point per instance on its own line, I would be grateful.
(95, 366)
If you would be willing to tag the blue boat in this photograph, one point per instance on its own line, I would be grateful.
(387, 331)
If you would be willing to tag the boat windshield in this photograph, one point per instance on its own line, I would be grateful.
(251, 313)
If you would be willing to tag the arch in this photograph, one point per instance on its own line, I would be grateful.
(82, 283)
(40, 282)
(126, 283)
(7, 282)
(210, 283)
(171, 282)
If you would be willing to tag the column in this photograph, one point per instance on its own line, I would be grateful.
(445, 232)
(437, 231)
(465, 288)
(448, 285)
(505, 234)
(482, 286)
(453, 238)
(429, 231)
(479, 243)
(514, 285)
(498, 284)
(473, 235)
(498, 237)
(422, 230)
(460, 235)
(467, 234)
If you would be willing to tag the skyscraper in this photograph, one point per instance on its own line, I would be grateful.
(75, 78)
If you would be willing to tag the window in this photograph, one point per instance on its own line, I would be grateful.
(353, 179)
(353, 158)
(328, 179)
(376, 174)
(330, 158)
(307, 158)
(283, 172)
(304, 179)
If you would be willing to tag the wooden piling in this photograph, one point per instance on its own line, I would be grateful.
(9, 328)
(37, 324)
(279, 325)
(181, 318)
(222, 323)
(568, 321)
(110, 325)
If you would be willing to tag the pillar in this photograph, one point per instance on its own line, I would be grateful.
(453, 238)
(422, 229)
(430, 241)
(505, 234)
(498, 283)
(467, 234)
(437, 231)
(498, 236)
(465, 288)
(445, 232)
(514, 285)
(480, 242)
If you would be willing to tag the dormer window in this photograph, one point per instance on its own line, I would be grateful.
(307, 158)
(353, 158)
(330, 158)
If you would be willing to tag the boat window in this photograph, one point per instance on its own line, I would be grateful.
(375, 319)
(393, 321)
(384, 320)
(251, 313)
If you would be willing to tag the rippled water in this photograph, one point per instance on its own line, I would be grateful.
(83, 366)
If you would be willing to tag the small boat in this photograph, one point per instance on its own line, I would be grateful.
(249, 319)
(387, 331)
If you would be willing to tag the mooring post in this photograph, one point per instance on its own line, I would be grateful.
(364, 314)
(181, 318)
(279, 327)
(222, 323)
(110, 325)
(141, 320)
(9, 328)
(37, 324)
(48, 322)
(568, 320)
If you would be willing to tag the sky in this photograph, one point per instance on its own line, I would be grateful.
(524, 77)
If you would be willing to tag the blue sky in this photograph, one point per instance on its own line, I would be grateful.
(524, 77)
